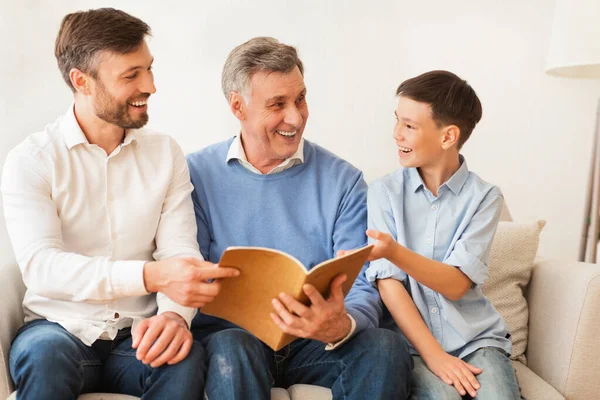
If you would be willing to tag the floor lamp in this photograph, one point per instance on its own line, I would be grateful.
(575, 52)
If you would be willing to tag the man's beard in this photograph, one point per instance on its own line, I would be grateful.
(108, 109)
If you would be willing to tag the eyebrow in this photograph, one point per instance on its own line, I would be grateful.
(280, 98)
(404, 119)
(136, 67)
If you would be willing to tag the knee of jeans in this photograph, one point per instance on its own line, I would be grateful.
(41, 349)
(233, 341)
(385, 345)
(196, 358)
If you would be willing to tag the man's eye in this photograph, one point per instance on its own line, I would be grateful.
(132, 76)
(301, 99)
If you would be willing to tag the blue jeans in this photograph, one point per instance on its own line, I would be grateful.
(498, 380)
(46, 361)
(375, 364)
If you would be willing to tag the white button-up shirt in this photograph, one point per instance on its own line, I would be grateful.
(83, 224)
(236, 151)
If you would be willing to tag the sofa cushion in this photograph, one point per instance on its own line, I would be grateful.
(511, 262)
(532, 386)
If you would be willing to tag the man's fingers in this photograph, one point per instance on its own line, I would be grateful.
(313, 295)
(336, 291)
(161, 343)
(217, 273)
(294, 305)
(284, 314)
(184, 350)
(286, 328)
(139, 332)
(147, 340)
(170, 351)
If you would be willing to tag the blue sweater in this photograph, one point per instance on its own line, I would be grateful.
(310, 211)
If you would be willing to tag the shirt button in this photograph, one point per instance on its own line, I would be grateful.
(434, 207)
(434, 310)
(117, 315)
(428, 241)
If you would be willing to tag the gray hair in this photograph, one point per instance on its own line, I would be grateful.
(258, 54)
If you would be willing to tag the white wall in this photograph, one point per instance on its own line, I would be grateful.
(534, 140)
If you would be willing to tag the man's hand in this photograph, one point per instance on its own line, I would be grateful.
(187, 281)
(454, 371)
(162, 339)
(324, 320)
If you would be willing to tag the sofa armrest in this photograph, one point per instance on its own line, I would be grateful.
(564, 326)
(12, 290)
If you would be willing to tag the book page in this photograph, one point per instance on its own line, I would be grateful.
(246, 300)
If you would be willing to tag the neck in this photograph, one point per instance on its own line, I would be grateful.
(97, 131)
(436, 175)
(263, 164)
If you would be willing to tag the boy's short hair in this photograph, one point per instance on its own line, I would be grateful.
(452, 100)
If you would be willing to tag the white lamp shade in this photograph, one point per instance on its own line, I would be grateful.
(575, 42)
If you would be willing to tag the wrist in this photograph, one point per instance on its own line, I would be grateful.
(151, 277)
(347, 324)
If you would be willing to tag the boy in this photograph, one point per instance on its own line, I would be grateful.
(432, 223)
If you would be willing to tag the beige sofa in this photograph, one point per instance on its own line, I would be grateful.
(564, 335)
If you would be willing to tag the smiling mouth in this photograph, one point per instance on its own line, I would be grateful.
(287, 134)
(405, 150)
(138, 104)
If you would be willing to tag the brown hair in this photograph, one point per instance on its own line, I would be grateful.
(84, 34)
(452, 100)
(257, 54)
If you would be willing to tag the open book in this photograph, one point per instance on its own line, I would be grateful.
(264, 273)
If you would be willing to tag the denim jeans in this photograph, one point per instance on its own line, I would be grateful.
(498, 380)
(375, 364)
(47, 362)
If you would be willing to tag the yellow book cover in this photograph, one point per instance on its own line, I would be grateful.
(264, 273)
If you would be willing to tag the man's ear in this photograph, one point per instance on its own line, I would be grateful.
(237, 105)
(450, 137)
(80, 81)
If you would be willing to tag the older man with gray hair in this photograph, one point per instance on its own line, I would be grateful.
(269, 187)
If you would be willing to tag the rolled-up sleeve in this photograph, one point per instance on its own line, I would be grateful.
(380, 218)
(471, 252)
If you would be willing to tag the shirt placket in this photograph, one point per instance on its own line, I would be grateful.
(430, 295)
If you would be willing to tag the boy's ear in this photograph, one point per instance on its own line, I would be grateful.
(450, 136)
(237, 104)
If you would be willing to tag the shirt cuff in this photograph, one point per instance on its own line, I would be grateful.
(127, 278)
(331, 346)
(383, 269)
(469, 265)
(165, 304)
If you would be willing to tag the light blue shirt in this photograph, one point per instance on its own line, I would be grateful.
(455, 228)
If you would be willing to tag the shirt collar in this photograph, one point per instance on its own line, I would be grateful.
(71, 131)
(73, 134)
(236, 151)
(455, 183)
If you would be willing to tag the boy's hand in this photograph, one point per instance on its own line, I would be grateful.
(454, 371)
(384, 246)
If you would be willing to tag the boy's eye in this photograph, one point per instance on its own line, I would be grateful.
(409, 126)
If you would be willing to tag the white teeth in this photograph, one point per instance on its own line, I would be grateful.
(404, 149)
(287, 134)
(139, 103)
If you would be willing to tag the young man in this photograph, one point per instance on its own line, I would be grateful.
(269, 187)
(89, 203)
(433, 222)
